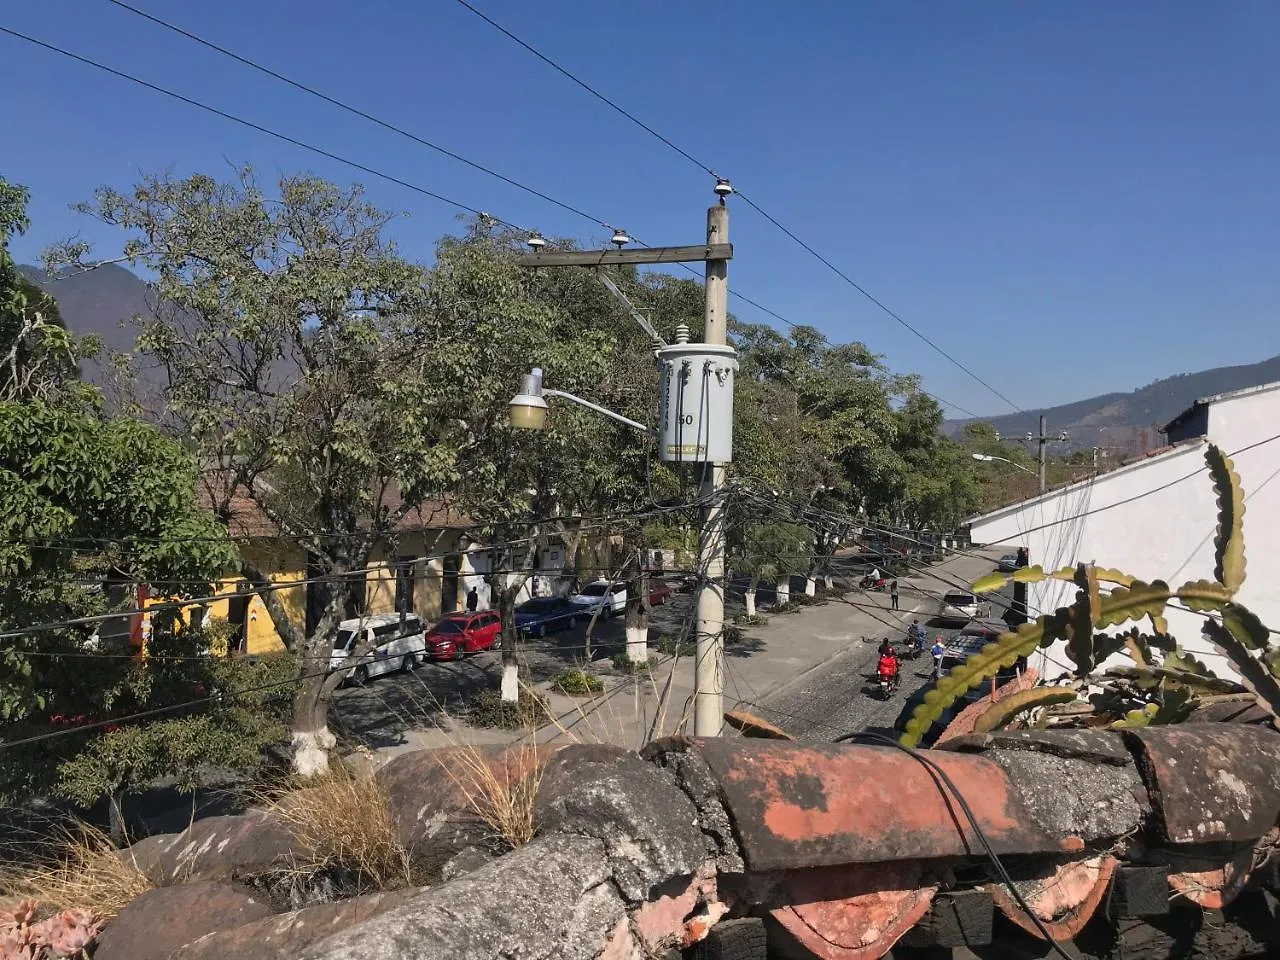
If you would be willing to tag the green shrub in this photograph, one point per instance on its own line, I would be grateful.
(673, 646)
(624, 664)
(488, 709)
(576, 681)
(791, 606)
(804, 600)
(732, 634)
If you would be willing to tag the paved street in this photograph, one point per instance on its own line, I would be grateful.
(810, 672)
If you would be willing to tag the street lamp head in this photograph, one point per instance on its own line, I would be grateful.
(985, 458)
(528, 408)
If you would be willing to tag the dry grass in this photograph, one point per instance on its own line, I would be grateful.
(79, 868)
(342, 823)
(500, 789)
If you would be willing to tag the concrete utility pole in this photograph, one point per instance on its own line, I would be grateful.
(1042, 442)
(708, 709)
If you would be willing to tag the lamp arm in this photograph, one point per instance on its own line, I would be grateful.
(603, 411)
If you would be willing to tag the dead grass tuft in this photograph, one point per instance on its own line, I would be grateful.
(342, 824)
(500, 789)
(78, 867)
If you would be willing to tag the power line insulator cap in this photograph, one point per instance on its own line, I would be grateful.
(620, 238)
(536, 243)
(723, 188)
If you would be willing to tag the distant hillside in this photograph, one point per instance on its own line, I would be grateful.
(101, 302)
(1127, 421)
(104, 302)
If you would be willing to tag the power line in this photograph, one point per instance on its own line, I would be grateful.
(356, 111)
(320, 151)
(747, 200)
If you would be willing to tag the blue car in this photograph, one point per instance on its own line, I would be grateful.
(540, 616)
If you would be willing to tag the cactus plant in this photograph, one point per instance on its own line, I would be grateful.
(1239, 633)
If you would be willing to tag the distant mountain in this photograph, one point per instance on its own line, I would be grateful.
(105, 302)
(101, 302)
(1127, 422)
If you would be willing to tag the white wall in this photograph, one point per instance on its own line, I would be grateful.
(1165, 534)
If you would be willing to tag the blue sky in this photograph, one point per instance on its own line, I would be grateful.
(1017, 180)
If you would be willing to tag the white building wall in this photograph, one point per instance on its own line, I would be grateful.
(1150, 519)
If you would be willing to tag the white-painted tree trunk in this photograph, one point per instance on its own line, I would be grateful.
(828, 582)
(638, 644)
(784, 590)
(751, 601)
(810, 586)
(511, 682)
(311, 751)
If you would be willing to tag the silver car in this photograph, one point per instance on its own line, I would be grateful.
(960, 606)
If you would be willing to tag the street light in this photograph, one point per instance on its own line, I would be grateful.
(528, 408)
(988, 458)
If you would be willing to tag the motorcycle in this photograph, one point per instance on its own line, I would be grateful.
(870, 583)
(887, 685)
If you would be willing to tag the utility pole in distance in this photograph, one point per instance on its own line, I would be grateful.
(1042, 442)
(708, 706)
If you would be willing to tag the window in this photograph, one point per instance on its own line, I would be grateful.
(344, 640)
(538, 606)
(449, 626)
(412, 626)
(404, 584)
(595, 590)
(959, 599)
(387, 631)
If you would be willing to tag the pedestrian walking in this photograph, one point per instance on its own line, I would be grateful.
(473, 600)
(938, 649)
(893, 594)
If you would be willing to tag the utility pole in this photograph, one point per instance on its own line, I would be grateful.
(710, 371)
(708, 707)
(1042, 442)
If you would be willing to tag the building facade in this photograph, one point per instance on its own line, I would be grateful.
(1155, 518)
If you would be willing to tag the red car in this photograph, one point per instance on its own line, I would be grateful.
(659, 592)
(459, 634)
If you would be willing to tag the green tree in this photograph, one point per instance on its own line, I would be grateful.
(304, 367)
(37, 354)
(89, 508)
(767, 551)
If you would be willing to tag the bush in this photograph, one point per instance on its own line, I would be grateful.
(791, 606)
(751, 620)
(488, 709)
(804, 600)
(732, 635)
(576, 682)
(624, 664)
(673, 646)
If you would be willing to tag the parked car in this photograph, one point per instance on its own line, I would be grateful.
(959, 605)
(542, 615)
(1008, 563)
(399, 645)
(659, 592)
(973, 637)
(459, 634)
(602, 598)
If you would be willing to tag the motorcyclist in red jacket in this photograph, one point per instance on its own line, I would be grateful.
(887, 669)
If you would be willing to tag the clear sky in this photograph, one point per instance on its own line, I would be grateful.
(1069, 196)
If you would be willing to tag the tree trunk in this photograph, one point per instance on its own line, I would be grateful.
(312, 739)
(810, 586)
(638, 617)
(784, 589)
(750, 596)
(115, 817)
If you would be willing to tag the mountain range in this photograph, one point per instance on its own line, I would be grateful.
(1129, 422)
(103, 302)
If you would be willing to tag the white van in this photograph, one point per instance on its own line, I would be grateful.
(399, 646)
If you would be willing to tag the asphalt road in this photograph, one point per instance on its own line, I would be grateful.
(843, 696)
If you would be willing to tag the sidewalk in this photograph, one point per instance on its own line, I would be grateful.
(772, 659)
